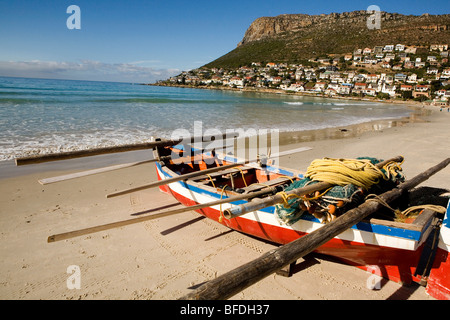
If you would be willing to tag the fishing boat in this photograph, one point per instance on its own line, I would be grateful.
(260, 198)
(390, 249)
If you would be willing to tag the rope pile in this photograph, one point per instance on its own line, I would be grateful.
(352, 180)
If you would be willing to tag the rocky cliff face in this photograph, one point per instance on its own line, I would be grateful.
(297, 37)
(270, 27)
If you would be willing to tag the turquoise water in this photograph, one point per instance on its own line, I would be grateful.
(38, 116)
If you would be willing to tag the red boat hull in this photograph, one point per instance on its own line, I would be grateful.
(390, 263)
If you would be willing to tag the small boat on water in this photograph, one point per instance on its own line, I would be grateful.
(406, 252)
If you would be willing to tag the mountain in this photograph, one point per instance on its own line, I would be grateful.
(294, 38)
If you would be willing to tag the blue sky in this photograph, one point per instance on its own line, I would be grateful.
(142, 41)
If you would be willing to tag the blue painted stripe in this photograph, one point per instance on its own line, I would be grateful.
(376, 228)
(446, 222)
(390, 231)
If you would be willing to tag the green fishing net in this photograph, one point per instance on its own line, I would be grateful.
(341, 197)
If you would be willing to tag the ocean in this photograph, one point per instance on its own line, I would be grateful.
(42, 116)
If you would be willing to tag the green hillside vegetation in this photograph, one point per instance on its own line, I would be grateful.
(330, 34)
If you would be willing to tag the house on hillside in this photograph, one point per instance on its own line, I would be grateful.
(389, 89)
(378, 49)
(370, 60)
(446, 73)
(236, 81)
(421, 90)
(331, 92)
(432, 70)
(370, 92)
(400, 77)
(406, 87)
(320, 86)
(388, 48)
(400, 47)
(359, 86)
(345, 88)
(372, 78)
(412, 78)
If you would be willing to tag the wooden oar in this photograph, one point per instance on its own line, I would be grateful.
(175, 179)
(187, 176)
(93, 152)
(92, 172)
(77, 233)
(107, 150)
(258, 204)
(235, 281)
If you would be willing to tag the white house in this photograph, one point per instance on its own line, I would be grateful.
(422, 88)
(400, 47)
(390, 90)
(446, 73)
(320, 86)
(432, 70)
(388, 48)
(400, 77)
(236, 81)
(412, 78)
(389, 57)
(345, 88)
(370, 92)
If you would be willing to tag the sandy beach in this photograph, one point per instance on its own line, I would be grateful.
(162, 259)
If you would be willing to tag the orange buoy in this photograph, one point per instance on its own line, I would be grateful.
(332, 209)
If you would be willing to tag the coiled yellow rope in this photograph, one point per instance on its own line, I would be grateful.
(359, 172)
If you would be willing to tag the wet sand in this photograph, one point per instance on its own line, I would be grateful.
(162, 259)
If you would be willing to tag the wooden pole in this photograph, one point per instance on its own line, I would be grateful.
(107, 150)
(235, 281)
(258, 204)
(175, 179)
(93, 152)
(78, 233)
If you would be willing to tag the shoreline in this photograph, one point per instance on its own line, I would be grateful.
(161, 259)
(284, 92)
